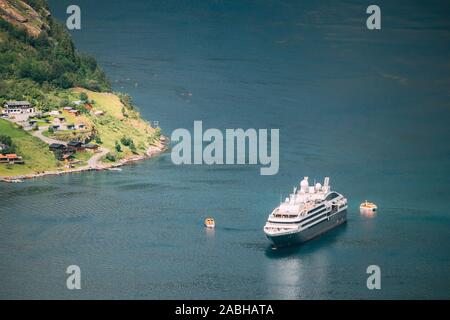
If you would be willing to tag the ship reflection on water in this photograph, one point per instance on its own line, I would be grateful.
(291, 269)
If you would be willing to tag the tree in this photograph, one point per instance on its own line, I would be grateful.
(58, 154)
(8, 143)
(84, 97)
(110, 157)
(126, 141)
(118, 147)
(98, 140)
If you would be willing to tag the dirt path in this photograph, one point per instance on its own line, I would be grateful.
(94, 161)
(38, 134)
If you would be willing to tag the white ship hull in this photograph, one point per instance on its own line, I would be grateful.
(300, 236)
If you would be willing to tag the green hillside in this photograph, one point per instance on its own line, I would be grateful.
(39, 64)
(33, 65)
(35, 153)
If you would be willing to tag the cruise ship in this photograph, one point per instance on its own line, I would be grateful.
(308, 212)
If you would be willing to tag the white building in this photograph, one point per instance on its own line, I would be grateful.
(18, 107)
(54, 113)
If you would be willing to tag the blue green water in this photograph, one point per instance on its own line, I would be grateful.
(370, 109)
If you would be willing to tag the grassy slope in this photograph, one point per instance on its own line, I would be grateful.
(35, 152)
(113, 125)
(110, 128)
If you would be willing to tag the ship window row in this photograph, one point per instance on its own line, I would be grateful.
(318, 208)
(279, 215)
(313, 220)
(316, 214)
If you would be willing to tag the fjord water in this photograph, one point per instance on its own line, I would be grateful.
(370, 109)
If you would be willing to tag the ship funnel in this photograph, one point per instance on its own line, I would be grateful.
(304, 186)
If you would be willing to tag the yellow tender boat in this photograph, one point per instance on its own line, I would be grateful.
(368, 207)
(209, 223)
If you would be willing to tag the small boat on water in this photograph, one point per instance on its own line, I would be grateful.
(13, 180)
(210, 223)
(368, 207)
(115, 169)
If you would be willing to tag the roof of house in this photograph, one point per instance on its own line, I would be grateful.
(17, 103)
(91, 146)
(56, 145)
(74, 143)
(9, 156)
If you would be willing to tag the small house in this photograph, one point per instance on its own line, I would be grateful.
(88, 106)
(81, 126)
(91, 147)
(65, 155)
(56, 146)
(67, 109)
(58, 120)
(99, 113)
(74, 112)
(75, 146)
(18, 107)
(70, 127)
(11, 158)
(54, 113)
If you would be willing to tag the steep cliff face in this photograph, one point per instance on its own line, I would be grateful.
(37, 51)
(28, 15)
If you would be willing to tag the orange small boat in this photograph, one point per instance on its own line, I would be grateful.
(368, 207)
(210, 223)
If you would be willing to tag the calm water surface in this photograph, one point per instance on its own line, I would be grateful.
(369, 109)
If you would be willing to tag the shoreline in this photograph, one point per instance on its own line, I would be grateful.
(151, 152)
